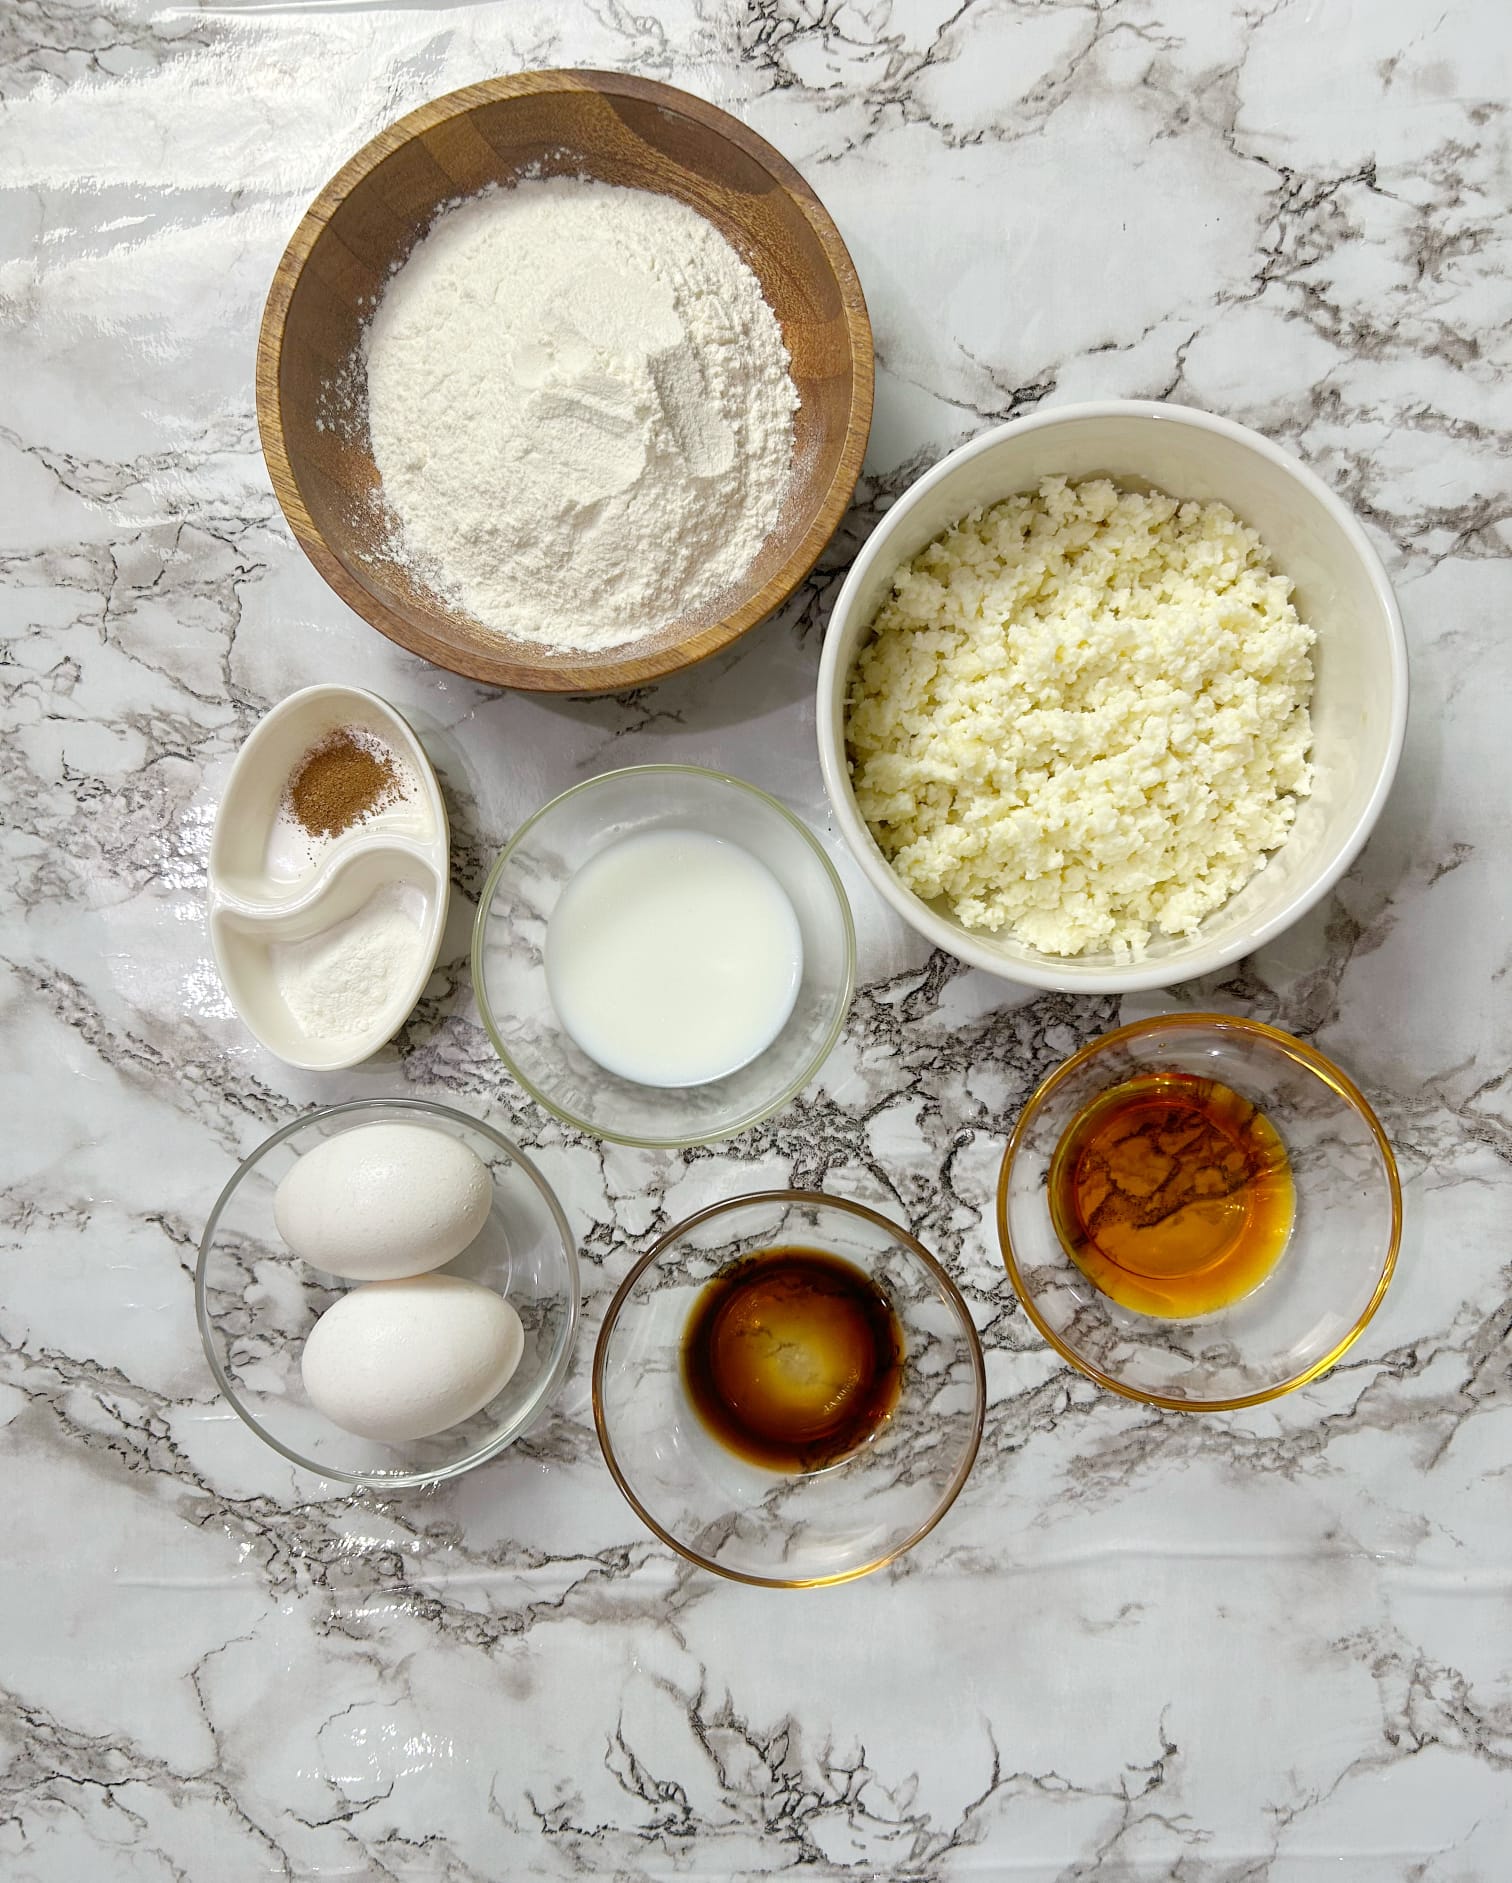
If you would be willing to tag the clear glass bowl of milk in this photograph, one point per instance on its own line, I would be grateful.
(663, 955)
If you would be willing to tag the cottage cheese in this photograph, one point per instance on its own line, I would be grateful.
(1082, 716)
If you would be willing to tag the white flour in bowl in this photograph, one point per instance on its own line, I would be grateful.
(581, 410)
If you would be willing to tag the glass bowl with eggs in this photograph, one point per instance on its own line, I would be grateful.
(789, 1389)
(1199, 1211)
(663, 955)
(387, 1292)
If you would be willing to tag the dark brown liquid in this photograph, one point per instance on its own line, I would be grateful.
(792, 1358)
(1172, 1194)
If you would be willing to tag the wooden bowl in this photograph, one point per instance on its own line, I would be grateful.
(617, 129)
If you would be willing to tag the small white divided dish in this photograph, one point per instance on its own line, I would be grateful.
(274, 891)
(1359, 705)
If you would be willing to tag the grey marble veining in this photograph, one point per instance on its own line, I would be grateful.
(1262, 1647)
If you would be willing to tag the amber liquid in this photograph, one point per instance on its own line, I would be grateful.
(1172, 1194)
(792, 1358)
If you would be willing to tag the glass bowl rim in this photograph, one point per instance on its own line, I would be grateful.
(931, 1262)
(1311, 1060)
(386, 1481)
(673, 1141)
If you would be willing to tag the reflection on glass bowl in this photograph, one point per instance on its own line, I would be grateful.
(780, 1529)
(1332, 1272)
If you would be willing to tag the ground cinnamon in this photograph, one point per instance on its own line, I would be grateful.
(339, 782)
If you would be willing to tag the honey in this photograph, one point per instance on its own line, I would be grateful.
(792, 1358)
(1172, 1194)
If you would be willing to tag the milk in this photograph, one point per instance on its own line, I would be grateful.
(673, 958)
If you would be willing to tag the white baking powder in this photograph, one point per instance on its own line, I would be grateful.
(580, 407)
(343, 980)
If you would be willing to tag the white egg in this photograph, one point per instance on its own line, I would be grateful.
(385, 1200)
(402, 1359)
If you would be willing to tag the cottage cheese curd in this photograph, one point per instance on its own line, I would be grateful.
(1082, 716)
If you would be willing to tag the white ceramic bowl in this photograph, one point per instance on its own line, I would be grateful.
(1359, 708)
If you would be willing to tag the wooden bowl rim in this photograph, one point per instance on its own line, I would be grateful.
(508, 668)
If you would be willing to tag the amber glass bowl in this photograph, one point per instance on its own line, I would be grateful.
(1332, 1273)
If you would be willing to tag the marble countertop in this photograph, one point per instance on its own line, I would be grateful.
(1264, 1645)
